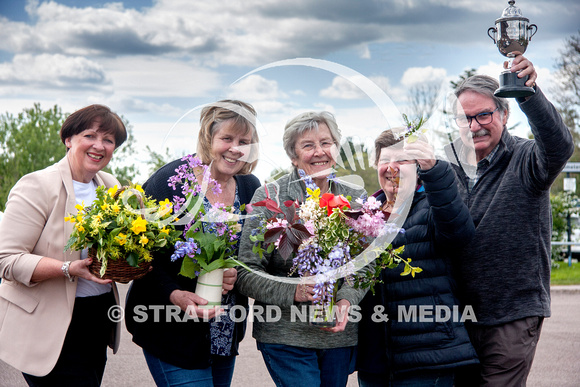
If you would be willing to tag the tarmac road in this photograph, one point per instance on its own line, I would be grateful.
(556, 362)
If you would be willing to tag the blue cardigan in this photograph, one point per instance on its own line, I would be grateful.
(183, 344)
(437, 225)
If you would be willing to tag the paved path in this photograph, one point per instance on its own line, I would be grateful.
(556, 362)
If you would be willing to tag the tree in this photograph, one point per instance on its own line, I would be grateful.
(466, 74)
(277, 173)
(423, 100)
(31, 141)
(567, 94)
(122, 165)
(28, 142)
(563, 204)
(351, 154)
(568, 72)
(157, 160)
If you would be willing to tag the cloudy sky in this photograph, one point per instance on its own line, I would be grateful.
(157, 62)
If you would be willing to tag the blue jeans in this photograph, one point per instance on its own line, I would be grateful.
(441, 378)
(297, 366)
(219, 374)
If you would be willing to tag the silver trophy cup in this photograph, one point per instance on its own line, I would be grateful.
(512, 32)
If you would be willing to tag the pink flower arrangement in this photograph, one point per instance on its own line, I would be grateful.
(323, 234)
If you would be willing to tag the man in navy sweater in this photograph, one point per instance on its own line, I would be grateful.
(504, 273)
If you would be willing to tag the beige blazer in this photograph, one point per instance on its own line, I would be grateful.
(34, 317)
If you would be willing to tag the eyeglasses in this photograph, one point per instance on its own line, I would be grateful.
(481, 118)
(384, 161)
(310, 146)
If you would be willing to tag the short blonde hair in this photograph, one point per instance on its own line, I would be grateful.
(242, 115)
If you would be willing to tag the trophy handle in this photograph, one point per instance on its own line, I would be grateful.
(532, 27)
(495, 32)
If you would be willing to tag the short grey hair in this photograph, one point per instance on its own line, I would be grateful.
(484, 85)
(308, 121)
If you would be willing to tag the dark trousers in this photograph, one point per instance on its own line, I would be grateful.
(84, 353)
(418, 378)
(506, 353)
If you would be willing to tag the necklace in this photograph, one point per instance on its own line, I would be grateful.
(227, 194)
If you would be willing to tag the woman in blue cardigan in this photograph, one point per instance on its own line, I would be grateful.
(410, 349)
(184, 351)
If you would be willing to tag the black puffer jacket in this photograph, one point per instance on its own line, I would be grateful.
(437, 225)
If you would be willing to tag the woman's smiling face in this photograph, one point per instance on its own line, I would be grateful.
(228, 146)
(314, 152)
(89, 151)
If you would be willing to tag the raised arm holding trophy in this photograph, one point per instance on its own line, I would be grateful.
(503, 273)
(512, 35)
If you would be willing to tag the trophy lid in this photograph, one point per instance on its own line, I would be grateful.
(511, 13)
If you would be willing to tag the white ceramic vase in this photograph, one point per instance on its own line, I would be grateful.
(209, 286)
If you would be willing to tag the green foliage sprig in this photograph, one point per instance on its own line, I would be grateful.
(413, 129)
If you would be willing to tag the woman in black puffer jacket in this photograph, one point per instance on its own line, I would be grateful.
(423, 341)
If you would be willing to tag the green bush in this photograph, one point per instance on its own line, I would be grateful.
(563, 203)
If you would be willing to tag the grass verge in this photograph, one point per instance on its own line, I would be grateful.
(566, 275)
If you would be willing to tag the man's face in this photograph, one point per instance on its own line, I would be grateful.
(485, 137)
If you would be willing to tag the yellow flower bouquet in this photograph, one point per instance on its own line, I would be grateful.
(122, 229)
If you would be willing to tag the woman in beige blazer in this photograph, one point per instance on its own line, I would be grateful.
(53, 312)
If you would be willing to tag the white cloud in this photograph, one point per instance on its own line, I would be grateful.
(493, 69)
(57, 71)
(256, 87)
(270, 107)
(342, 88)
(255, 32)
(161, 77)
(364, 124)
(546, 78)
(245, 33)
(125, 104)
(383, 82)
(163, 59)
(365, 52)
(415, 76)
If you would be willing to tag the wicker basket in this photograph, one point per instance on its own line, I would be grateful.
(118, 270)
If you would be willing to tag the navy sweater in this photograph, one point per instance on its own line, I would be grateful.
(437, 225)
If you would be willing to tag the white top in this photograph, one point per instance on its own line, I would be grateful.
(86, 193)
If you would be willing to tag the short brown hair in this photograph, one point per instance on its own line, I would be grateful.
(82, 119)
(386, 139)
(242, 115)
